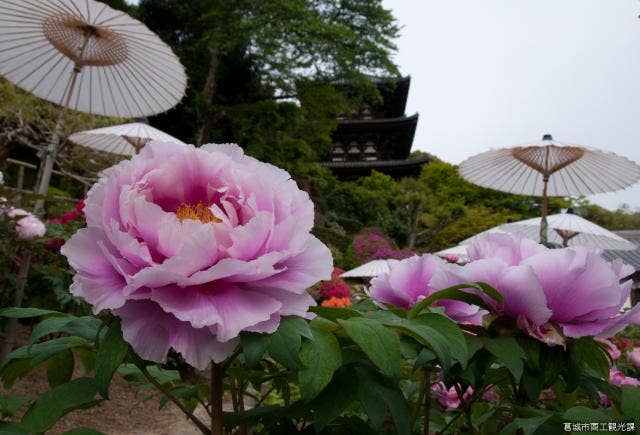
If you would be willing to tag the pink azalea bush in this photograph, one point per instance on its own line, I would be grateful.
(373, 245)
(551, 293)
(191, 246)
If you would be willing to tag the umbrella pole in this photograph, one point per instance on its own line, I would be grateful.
(52, 149)
(545, 211)
(49, 154)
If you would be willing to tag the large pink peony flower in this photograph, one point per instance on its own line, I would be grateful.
(192, 246)
(409, 281)
(583, 291)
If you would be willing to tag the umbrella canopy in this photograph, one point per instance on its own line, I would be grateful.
(550, 168)
(368, 270)
(124, 139)
(123, 69)
(568, 230)
(459, 251)
(86, 56)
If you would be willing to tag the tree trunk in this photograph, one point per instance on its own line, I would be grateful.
(414, 216)
(208, 93)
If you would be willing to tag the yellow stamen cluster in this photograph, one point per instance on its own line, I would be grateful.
(199, 212)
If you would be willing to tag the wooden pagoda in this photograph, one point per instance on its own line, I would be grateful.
(377, 136)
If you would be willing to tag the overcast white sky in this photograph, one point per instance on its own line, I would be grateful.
(497, 73)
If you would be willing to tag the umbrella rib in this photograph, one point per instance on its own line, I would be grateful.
(90, 71)
(579, 177)
(108, 82)
(615, 167)
(150, 76)
(62, 70)
(22, 53)
(104, 8)
(143, 86)
(162, 79)
(487, 174)
(122, 97)
(26, 62)
(126, 85)
(37, 68)
(44, 76)
(594, 171)
(100, 83)
(60, 58)
(20, 7)
(505, 173)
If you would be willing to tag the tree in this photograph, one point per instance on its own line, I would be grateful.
(283, 41)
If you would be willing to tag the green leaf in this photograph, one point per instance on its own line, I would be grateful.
(509, 352)
(15, 369)
(381, 345)
(42, 351)
(87, 359)
(235, 419)
(85, 327)
(7, 428)
(24, 313)
(52, 405)
(335, 398)
(440, 334)
(284, 344)
(375, 392)
(335, 313)
(630, 406)
(528, 425)
(584, 414)
(452, 293)
(588, 353)
(254, 346)
(112, 351)
(320, 358)
(11, 405)
(60, 368)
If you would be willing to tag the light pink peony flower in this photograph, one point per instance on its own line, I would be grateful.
(409, 281)
(617, 377)
(583, 291)
(511, 250)
(30, 227)
(634, 357)
(573, 288)
(191, 246)
(448, 398)
(612, 349)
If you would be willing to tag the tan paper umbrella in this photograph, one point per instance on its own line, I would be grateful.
(86, 56)
(124, 139)
(550, 168)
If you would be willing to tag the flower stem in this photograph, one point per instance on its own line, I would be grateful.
(216, 398)
(427, 400)
(203, 427)
(12, 324)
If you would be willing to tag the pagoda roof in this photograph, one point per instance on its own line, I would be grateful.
(394, 168)
(393, 137)
(394, 92)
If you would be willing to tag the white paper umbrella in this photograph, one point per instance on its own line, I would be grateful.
(550, 168)
(570, 230)
(125, 70)
(124, 139)
(84, 55)
(459, 251)
(567, 230)
(368, 270)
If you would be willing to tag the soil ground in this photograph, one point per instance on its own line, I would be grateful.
(128, 411)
